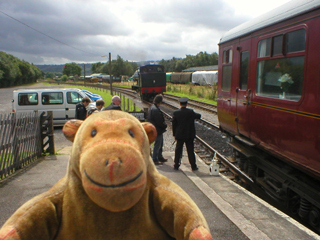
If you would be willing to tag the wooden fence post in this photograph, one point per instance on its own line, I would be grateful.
(46, 128)
(51, 133)
(15, 142)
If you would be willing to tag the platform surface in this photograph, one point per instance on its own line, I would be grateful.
(231, 211)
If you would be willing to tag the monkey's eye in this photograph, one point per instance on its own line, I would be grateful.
(131, 133)
(93, 132)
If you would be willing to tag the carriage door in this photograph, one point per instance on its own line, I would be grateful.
(243, 94)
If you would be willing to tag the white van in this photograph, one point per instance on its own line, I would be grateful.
(62, 102)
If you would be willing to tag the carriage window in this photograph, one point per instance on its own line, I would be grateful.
(227, 70)
(281, 78)
(296, 41)
(277, 45)
(227, 56)
(244, 68)
(28, 99)
(49, 98)
(226, 77)
(264, 48)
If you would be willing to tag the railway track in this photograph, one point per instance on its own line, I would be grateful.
(208, 111)
(203, 148)
(211, 144)
(194, 104)
(207, 152)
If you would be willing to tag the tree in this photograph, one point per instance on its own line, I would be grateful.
(11, 72)
(26, 72)
(72, 69)
(180, 65)
(97, 67)
(64, 78)
(118, 67)
(130, 68)
(14, 71)
(50, 75)
(37, 72)
(105, 68)
(201, 59)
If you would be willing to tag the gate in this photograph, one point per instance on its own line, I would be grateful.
(21, 141)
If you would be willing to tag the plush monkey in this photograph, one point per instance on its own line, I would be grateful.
(112, 190)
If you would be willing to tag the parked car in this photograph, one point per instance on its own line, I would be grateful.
(91, 95)
(62, 102)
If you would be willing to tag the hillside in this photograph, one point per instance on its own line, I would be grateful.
(59, 68)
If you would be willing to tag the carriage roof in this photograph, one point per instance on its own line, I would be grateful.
(286, 11)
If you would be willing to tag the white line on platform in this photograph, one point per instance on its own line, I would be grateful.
(247, 227)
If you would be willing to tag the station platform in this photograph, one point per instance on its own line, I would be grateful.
(231, 211)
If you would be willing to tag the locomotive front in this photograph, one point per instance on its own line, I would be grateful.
(151, 81)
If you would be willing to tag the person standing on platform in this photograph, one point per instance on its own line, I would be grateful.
(115, 104)
(184, 131)
(156, 117)
(98, 108)
(81, 108)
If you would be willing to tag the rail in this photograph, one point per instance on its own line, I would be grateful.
(233, 168)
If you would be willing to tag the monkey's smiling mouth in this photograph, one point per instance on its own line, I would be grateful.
(113, 185)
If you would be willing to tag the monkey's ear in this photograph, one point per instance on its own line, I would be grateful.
(150, 130)
(70, 128)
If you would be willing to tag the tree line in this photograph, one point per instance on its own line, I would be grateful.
(179, 64)
(121, 67)
(14, 71)
(118, 67)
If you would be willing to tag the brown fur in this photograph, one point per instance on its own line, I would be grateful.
(111, 190)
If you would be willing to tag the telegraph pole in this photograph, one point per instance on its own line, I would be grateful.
(110, 74)
(84, 74)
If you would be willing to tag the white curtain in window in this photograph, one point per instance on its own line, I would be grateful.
(262, 48)
(259, 76)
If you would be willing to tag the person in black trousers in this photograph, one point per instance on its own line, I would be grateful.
(155, 116)
(81, 108)
(184, 132)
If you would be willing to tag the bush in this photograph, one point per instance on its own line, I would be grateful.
(64, 78)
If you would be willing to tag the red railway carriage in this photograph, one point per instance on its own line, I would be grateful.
(269, 101)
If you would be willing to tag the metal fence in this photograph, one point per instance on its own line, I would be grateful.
(21, 140)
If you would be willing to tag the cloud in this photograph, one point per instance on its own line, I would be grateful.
(82, 31)
(201, 13)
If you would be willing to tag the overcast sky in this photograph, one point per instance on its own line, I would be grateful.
(62, 31)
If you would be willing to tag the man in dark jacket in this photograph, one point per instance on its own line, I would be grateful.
(81, 108)
(155, 117)
(115, 104)
(97, 108)
(184, 132)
